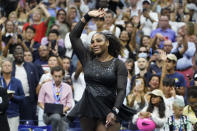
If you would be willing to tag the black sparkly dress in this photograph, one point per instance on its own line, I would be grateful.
(105, 82)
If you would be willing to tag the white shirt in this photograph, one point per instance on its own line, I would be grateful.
(22, 76)
(68, 45)
(148, 26)
(79, 86)
(45, 77)
(169, 104)
(117, 32)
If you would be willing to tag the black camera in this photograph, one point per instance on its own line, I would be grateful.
(53, 43)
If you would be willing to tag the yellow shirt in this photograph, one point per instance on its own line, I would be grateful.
(190, 114)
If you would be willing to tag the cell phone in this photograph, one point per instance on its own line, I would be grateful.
(53, 43)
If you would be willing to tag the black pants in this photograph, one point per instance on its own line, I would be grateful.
(28, 111)
(4, 126)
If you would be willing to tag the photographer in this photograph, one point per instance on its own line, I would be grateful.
(53, 46)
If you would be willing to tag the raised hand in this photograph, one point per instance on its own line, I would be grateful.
(97, 13)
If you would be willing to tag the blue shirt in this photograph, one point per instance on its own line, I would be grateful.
(169, 33)
(186, 60)
(14, 85)
(179, 79)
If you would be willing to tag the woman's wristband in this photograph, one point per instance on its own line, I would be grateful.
(87, 17)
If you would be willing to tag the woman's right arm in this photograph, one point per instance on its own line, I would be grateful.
(76, 42)
(75, 35)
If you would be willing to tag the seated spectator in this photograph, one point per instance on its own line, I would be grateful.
(28, 56)
(66, 64)
(154, 82)
(178, 121)
(56, 92)
(170, 94)
(155, 110)
(191, 108)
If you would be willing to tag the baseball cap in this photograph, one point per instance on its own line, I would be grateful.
(157, 92)
(172, 57)
(149, 1)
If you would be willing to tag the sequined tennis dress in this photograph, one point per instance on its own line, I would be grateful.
(105, 82)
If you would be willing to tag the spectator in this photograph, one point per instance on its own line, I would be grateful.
(180, 82)
(12, 84)
(178, 121)
(66, 64)
(168, 88)
(109, 23)
(155, 110)
(39, 26)
(79, 84)
(164, 30)
(184, 64)
(28, 74)
(190, 109)
(57, 92)
(53, 46)
(29, 41)
(60, 41)
(61, 20)
(28, 56)
(148, 19)
(43, 57)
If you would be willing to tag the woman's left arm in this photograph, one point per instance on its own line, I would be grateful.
(122, 74)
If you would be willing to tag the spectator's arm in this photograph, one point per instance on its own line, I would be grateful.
(5, 51)
(41, 105)
(163, 73)
(20, 95)
(42, 6)
(155, 5)
(69, 102)
(185, 46)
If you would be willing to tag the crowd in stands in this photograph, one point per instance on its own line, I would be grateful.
(159, 39)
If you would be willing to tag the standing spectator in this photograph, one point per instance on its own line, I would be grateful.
(184, 64)
(164, 30)
(109, 23)
(13, 84)
(56, 92)
(43, 57)
(4, 102)
(180, 82)
(148, 18)
(28, 74)
(61, 20)
(39, 26)
(29, 41)
(79, 84)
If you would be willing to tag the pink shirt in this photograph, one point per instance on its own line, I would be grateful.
(46, 94)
